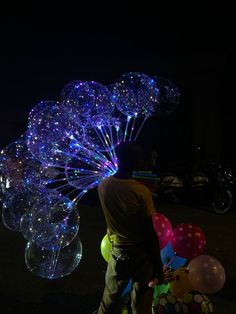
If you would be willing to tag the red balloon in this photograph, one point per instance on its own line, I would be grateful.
(188, 240)
(163, 228)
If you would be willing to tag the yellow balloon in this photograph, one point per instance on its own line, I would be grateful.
(106, 248)
(181, 284)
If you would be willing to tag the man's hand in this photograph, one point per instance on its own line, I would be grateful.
(153, 283)
(168, 277)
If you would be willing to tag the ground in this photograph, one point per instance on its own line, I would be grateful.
(21, 292)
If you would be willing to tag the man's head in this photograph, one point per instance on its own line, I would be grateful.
(130, 156)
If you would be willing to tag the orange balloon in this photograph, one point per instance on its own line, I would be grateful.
(181, 284)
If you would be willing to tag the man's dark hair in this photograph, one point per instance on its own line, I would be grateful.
(129, 155)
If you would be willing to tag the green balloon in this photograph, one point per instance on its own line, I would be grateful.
(124, 309)
(105, 248)
(159, 289)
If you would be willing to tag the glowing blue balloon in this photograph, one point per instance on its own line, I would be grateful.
(2, 185)
(12, 165)
(16, 148)
(20, 172)
(49, 132)
(103, 105)
(31, 170)
(53, 264)
(169, 96)
(35, 196)
(168, 257)
(136, 94)
(78, 97)
(124, 99)
(19, 168)
(15, 204)
(48, 179)
(55, 222)
(26, 225)
(12, 172)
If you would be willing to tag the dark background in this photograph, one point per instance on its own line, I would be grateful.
(42, 49)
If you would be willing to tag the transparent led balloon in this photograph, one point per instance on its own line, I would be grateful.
(26, 225)
(145, 91)
(53, 264)
(13, 172)
(103, 105)
(34, 197)
(31, 170)
(15, 204)
(2, 186)
(49, 132)
(55, 222)
(135, 95)
(16, 148)
(11, 164)
(52, 178)
(78, 98)
(19, 169)
(169, 96)
(125, 100)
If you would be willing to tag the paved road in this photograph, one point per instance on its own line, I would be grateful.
(22, 292)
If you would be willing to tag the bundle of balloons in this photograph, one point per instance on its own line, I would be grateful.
(67, 149)
(194, 274)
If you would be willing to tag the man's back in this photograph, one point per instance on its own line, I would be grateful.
(125, 203)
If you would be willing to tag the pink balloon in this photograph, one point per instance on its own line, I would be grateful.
(163, 228)
(188, 240)
(206, 274)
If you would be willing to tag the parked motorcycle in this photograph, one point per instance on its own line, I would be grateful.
(212, 186)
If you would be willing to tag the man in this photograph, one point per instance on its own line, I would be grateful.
(128, 209)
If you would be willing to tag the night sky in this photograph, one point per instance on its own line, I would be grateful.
(193, 49)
